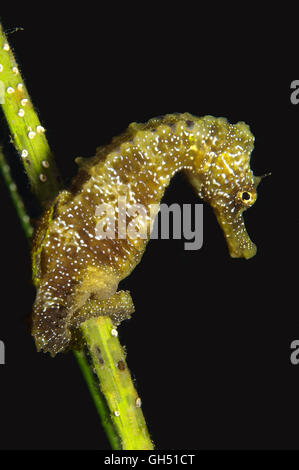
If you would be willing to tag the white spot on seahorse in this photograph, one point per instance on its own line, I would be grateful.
(15, 70)
(6, 47)
(40, 129)
(1, 68)
(114, 332)
(228, 168)
(10, 90)
(24, 101)
(21, 112)
(24, 153)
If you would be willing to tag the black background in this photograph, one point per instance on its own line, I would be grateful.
(209, 343)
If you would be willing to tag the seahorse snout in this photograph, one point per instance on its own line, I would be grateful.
(237, 238)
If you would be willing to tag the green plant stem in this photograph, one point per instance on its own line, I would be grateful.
(27, 133)
(98, 399)
(114, 394)
(109, 364)
(16, 199)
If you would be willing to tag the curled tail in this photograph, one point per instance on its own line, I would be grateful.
(49, 322)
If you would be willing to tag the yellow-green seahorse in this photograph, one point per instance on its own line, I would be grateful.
(73, 267)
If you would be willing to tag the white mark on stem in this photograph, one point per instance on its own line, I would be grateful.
(138, 402)
(43, 178)
(31, 134)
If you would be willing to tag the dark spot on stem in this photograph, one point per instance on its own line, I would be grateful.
(99, 355)
(121, 365)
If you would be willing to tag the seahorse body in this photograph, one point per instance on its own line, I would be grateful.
(74, 270)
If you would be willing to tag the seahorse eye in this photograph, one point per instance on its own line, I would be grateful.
(246, 196)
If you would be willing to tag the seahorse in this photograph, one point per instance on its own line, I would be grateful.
(77, 273)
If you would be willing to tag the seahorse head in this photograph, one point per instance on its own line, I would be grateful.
(227, 183)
